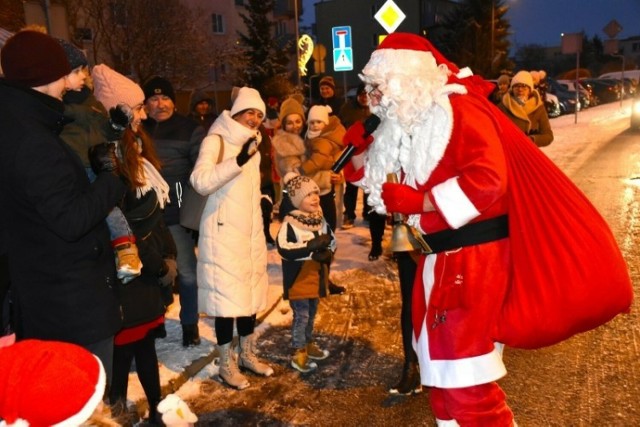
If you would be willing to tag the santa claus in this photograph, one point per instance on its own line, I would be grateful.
(454, 156)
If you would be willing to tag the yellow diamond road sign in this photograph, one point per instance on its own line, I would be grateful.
(390, 16)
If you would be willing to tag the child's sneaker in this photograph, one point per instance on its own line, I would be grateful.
(128, 264)
(315, 352)
(301, 362)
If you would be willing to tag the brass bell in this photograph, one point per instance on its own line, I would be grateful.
(405, 238)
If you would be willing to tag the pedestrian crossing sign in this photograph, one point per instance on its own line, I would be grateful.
(343, 59)
(342, 50)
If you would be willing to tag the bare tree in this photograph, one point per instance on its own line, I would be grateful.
(143, 38)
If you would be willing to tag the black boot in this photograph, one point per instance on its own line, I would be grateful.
(190, 335)
(409, 381)
(376, 251)
(336, 289)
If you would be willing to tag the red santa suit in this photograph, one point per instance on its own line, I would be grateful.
(446, 142)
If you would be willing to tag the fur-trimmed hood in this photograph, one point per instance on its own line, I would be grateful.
(287, 144)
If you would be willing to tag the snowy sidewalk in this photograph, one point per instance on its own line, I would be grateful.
(179, 365)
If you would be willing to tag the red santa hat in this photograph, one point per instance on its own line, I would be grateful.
(410, 54)
(49, 383)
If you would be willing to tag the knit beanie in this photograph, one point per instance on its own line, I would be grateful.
(247, 98)
(45, 383)
(319, 113)
(327, 81)
(522, 77)
(503, 80)
(158, 86)
(291, 106)
(112, 88)
(32, 59)
(298, 187)
(75, 55)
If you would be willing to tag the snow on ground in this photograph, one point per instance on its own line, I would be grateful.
(573, 141)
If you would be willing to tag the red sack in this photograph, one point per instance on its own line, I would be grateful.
(568, 273)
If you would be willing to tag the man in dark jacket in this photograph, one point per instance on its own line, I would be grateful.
(61, 264)
(177, 140)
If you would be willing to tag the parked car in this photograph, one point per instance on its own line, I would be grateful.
(585, 95)
(605, 89)
(553, 105)
(568, 102)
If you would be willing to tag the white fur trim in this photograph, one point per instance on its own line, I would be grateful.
(454, 205)
(464, 73)
(447, 423)
(453, 373)
(19, 423)
(92, 402)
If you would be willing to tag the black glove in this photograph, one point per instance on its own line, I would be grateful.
(120, 117)
(247, 151)
(322, 256)
(103, 158)
(321, 242)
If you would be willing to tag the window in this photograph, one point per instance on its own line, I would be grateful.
(217, 24)
(84, 34)
(281, 28)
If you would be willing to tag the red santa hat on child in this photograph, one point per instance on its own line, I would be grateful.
(49, 383)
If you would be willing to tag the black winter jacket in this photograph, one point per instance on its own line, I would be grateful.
(143, 299)
(177, 142)
(60, 258)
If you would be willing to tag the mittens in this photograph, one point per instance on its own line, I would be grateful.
(355, 136)
(400, 198)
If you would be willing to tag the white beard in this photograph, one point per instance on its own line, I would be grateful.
(414, 155)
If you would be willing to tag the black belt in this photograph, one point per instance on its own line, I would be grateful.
(471, 234)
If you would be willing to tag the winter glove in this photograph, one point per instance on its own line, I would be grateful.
(322, 256)
(317, 243)
(103, 158)
(355, 136)
(120, 117)
(167, 280)
(400, 198)
(170, 272)
(247, 151)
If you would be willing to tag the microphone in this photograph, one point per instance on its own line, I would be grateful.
(370, 125)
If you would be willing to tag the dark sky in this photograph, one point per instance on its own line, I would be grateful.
(542, 21)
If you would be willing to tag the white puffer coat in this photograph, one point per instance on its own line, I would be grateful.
(232, 252)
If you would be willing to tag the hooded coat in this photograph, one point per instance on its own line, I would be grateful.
(321, 153)
(289, 152)
(232, 258)
(531, 117)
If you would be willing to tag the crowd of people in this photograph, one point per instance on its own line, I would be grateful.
(95, 167)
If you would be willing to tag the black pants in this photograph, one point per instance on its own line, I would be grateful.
(376, 229)
(224, 327)
(144, 352)
(407, 273)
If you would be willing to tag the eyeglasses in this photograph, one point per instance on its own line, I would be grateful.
(375, 92)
